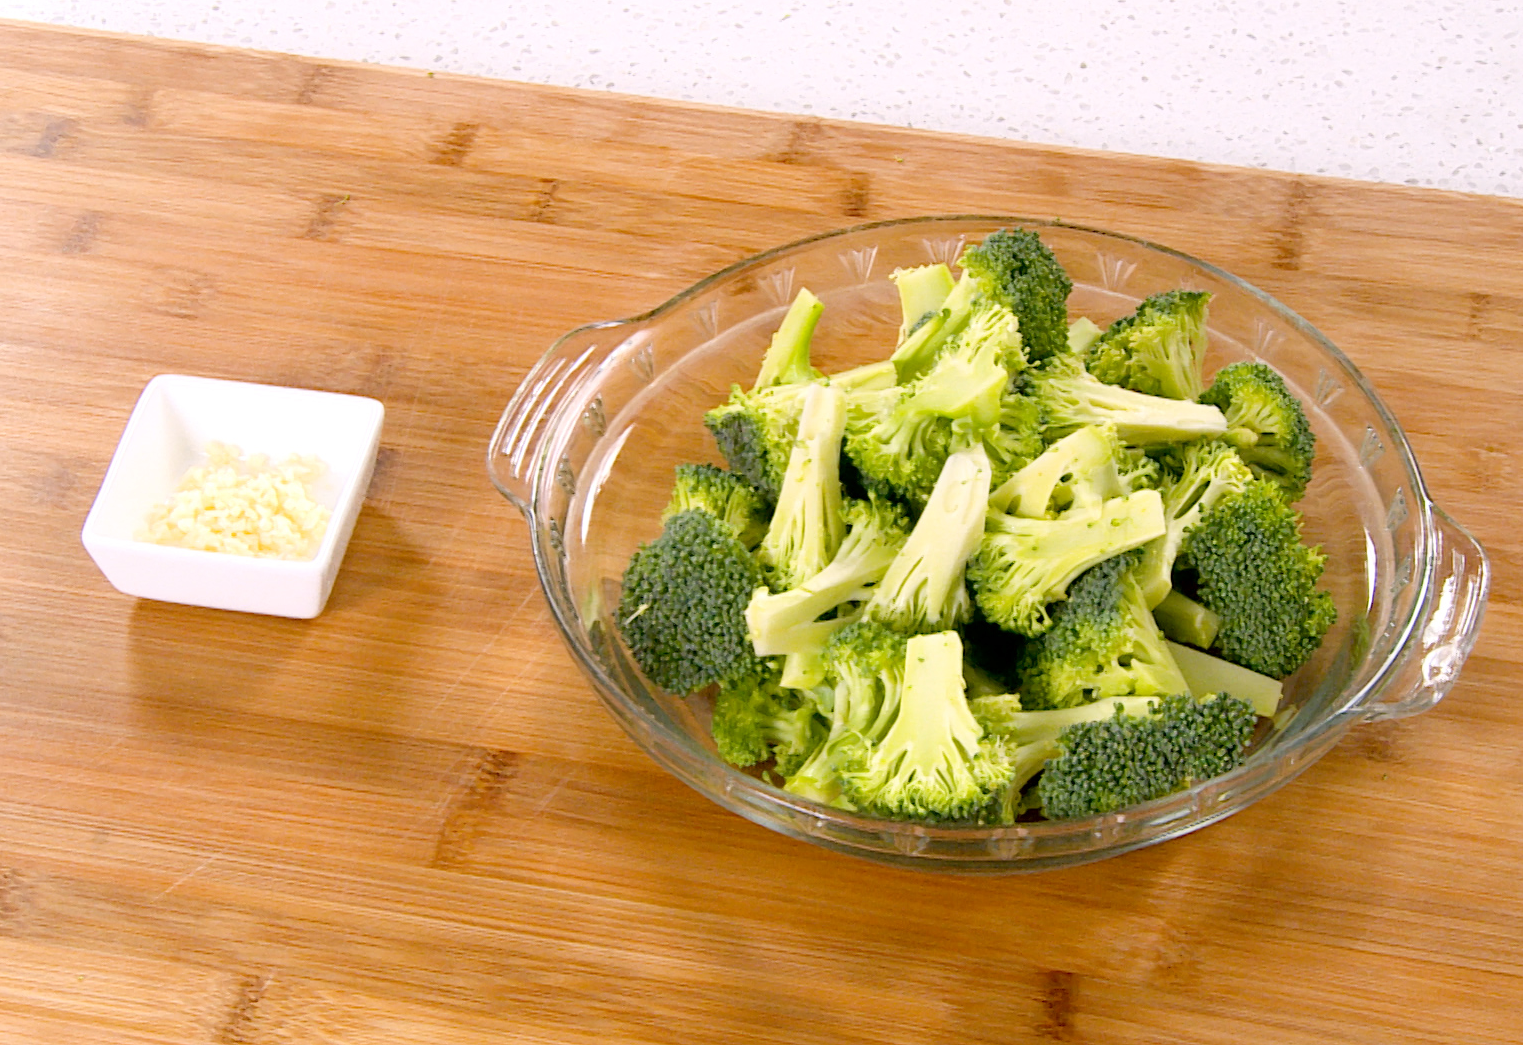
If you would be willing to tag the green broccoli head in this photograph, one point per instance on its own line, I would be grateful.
(722, 494)
(1103, 643)
(755, 432)
(757, 719)
(1118, 762)
(931, 762)
(683, 602)
(1265, 424)
(1071, 398)
(1159, 349)
(1022, 566)
(1254, 571)
(1018, 270)
(1201, 474)
(897, 450)
(866, 662)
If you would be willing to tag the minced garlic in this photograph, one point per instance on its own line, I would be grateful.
(243, 507)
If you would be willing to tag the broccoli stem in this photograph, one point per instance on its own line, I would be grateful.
(1183, 619)
(787, 358)
(1206, 674)
(1002, 715)
(922, 290)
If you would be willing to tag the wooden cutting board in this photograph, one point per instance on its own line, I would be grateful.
(410, 820)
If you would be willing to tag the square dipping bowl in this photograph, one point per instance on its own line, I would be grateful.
(176, 418)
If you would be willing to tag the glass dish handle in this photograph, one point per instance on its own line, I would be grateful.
(1453, 624)
(517, 449)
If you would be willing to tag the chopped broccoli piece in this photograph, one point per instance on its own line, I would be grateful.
(876, 531)
(922, 291)
(1159, 349)
(1018, 270)
(1012, 444)
(787, 358)
(1121, 761)
(723, 495)
(682, 609)
(807, 526)
(1082, 333)
(1183, 619)
(757, 719)
(1103, 642)
(898, 440)
(1001, 714)
(1072, 398)
(755, 431)
(1023, 565)
(1208, 674)
(924, 589)
(866, 660)
(1080, 470)
(1265, 424)
(1253, 569)
(931, 762)
(1209, 471)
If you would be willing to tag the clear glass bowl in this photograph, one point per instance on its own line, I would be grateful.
(587, 446)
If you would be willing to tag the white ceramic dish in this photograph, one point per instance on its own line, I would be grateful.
(175, 419)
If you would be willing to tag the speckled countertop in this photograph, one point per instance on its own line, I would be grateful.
(1420, 93)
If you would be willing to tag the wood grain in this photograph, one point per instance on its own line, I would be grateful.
(410, 820)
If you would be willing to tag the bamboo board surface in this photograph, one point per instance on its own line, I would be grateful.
(410, 819)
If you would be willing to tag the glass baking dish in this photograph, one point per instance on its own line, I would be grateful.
(587, 445)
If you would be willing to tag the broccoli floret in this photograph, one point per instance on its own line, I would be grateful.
(1208, 471)
(755, 431)
(897, 453)
(787, 358)
(1121, 761)
(722, 494)
(1012, 444)
(876, 531)
(1071, 398)
(757, 719)
(924, 589)
(1159, 349)
(866, 662)
(682, 608)
(807, 527)
(865, 665)
(1080, 470)
(1265, 424)
(1023, 565)
(898, 440)
(1208, 674)
(931, 761)
(1254, 571)
(1001, 714)
(1016, 269)
(1103, 642)
(969, 378)
(922, 291)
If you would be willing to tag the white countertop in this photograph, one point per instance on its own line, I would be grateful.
(1403, 91)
